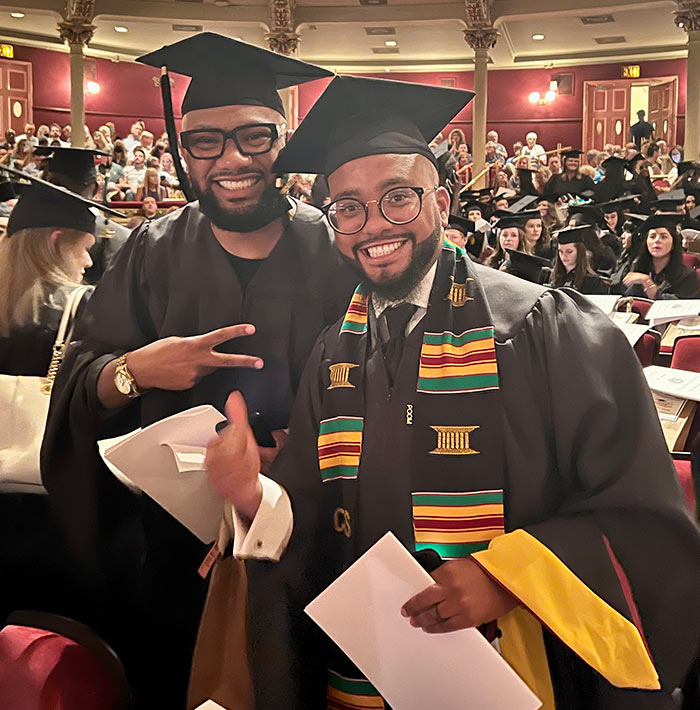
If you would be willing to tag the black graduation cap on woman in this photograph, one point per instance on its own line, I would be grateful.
(44, 204)
(529, 267)
(11, 189)
(225, 72)
(73, 168)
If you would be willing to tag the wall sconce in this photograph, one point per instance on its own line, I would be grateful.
(92, 87)
(549, 95)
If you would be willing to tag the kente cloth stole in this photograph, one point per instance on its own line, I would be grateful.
(457, 475)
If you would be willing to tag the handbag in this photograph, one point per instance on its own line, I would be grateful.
(24, 408)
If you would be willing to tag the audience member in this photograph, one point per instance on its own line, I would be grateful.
(500, 148)
(136, 172)
(67, 133)
(149, 206)
(42, 131)
(133, 138)
(146, 142)
(593, 160)
(29, 134)
(517, 150)
(492, 155)
(533, 149)
(55, 135)
(456, 139)
(119, 153)
(510, 236)
(640, 130)
(150, 187)
(554, 164)
(10, 137)
(537, 239)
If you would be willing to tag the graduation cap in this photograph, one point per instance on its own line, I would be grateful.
(571, 235)
(684, 166)
(356, 117)
(475, 205)
(669, 201)
(613, 163)
(461, 224)
(526, 215)
(616, 204)
(590, 214)
(527, 266)
(522, 202)
(10, 189)
(508, 219)
(629, 165)
(44, 204)
(573, 153)
(547, 197)
(228, 72)
(72, 165)
(669, 221)
(633, 222)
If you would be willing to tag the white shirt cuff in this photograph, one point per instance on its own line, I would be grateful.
(268, 535)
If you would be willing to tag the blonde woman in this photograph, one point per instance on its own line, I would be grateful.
(40, 265)
(151, 187)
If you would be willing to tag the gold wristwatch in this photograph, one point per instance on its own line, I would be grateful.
(124, 381)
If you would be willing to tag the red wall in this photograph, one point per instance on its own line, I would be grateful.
(509, 110)
(128, 92)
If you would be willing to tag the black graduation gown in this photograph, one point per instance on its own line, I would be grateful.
(612, 241)
(559, 185)
(681, 283)
(109, 239)
(173, 278)
(585, 463)
(592, 285)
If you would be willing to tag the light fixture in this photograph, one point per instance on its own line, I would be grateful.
(390, 42)
(538, 37)
(120, 28)
(92, 87)
(17, 15)
(534, 97)
(550, 95)
(221, 3)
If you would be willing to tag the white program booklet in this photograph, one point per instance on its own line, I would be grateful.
(633, 331)
(667, 310)
(676, 383)
(605, 302)
(413, 670)
(166, 461)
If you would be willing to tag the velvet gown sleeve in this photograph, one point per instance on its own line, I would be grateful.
(613, 571)
(85, 496)
(279, 591)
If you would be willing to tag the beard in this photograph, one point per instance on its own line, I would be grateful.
(398, 287)
(271, 206)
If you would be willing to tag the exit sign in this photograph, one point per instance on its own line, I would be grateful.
(7, 51)
(631, 71)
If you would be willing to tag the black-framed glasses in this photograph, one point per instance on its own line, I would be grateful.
(400, 205)
(250, 139)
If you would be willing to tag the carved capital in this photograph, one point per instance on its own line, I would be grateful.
(687, 16)
(282, 38)
(76, 33)
(477, 13)
(481, 38)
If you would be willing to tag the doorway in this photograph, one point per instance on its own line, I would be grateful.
(15, 95)
(610, 108)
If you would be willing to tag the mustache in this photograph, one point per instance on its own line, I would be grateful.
(382, 238)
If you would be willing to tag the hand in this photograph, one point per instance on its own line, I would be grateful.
(634, 277)
(268, 453)
(233, 460)
(180, 363)
(463, 595)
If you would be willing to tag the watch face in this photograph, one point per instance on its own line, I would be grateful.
(122, 382)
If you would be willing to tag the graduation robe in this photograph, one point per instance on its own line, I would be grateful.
(594, 515)
(173, 278)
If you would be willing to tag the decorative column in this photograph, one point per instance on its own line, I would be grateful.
(77, 30)
(284, 40)
(480, 40)
(687, 17)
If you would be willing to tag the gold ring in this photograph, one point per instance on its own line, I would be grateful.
(441, 619)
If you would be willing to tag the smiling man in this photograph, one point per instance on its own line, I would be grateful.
(505, 427)
(227, 293)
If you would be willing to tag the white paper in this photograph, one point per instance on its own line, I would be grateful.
(666, 311)
(677, 383)
(166, 461)
(690, 324)
(413, 670)
(633, 331)
(210, 705)
(605, 302)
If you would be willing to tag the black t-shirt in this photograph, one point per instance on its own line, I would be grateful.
(641, 130)
(245, 268)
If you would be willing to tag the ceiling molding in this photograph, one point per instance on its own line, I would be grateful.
(386, 14)
(628, 53)
(174, 10)
(518, 10)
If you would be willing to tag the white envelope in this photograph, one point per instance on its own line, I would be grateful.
(413, 670)
(665, 311)
(166, 461)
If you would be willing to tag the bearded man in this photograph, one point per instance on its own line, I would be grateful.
(229, 292)
(504, 426)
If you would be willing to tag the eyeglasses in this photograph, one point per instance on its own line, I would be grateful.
(251, 139)
(400, 205)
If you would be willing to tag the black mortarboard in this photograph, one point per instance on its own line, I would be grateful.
(571, 235)
(613, 163)
(44, 204)
(616, 204)
(667, 202)
(356, 117)
(475, 205)
(507, 219)
(526, 215)
(670, 221)
(547, 197)
(228, 72)
(527, 266)
(633, 222)
(573, 153)
(76, 165)
(461, 224)
(629, 165)
(590, 214)
(9, 189)
(684, 166)
(521, 202)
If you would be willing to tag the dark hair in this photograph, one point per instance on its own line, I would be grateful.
(140, 150)
(545, 238)
(651, 149)
(499, 256)
(581, 270)
(644, 262)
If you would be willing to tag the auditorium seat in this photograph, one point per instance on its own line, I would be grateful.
(686, 353)
(647, 348)
(640, 306)
(49, 662)
(685, 476)
(692, 260)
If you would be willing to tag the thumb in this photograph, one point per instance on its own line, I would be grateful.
(236, 409)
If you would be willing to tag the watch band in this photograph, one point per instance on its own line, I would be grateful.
(123, 370)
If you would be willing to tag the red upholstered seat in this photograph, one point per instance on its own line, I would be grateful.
(42, 669)
(647, 348)
(686, 353)
(641, 306)
(690, 259)
(685, 476)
